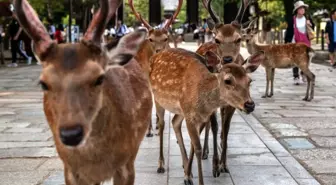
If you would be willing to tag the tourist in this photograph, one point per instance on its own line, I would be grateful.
(297, 32)
(330, 37)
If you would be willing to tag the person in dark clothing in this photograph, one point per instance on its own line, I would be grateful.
(330, 37)
(14, 33)
(299, 22)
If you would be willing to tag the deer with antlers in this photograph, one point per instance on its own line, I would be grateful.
(183, 84)
(282, 56)
(97, 101)
(157, 40)
(227, 45)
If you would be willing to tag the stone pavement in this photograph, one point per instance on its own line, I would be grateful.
(306, 129)
(28, 156)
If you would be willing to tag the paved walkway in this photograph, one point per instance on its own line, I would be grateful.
(28, 156)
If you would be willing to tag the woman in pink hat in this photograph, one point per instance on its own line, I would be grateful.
(297, 31)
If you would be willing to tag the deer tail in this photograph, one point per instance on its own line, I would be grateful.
(310, 53)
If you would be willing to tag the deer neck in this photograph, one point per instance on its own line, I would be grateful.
(253, 45)
(213, 98)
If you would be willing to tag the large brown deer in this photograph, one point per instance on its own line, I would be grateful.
(282, 56)
(157, 40)
(183, 85)
(227, 43)
(97, 109)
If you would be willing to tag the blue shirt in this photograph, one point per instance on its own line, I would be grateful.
(334, 31)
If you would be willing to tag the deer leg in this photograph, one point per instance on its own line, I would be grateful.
(188, 169)
(205, 152)
(149, 131)
(272, 82)
(194, 134)
(226, 116)
(310, 85)
(72, 179)
(268, 77)
(177, 123)
(157, 121)
(215, 160)
(125, 175)
(160, 112)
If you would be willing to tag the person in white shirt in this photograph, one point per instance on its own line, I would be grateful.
(298, 23)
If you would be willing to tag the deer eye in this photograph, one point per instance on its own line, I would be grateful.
(228, 82)
(165, 40)
(151, 40)
(44, 86)
(217, 41)
(99, 80)
(238, 40)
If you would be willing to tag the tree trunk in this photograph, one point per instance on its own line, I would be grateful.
(289, 6)
(230, 12)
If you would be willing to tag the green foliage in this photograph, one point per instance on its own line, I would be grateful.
(277, 12)
(141, 6)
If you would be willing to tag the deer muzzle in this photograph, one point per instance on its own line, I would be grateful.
(72, 136)
(249, 106)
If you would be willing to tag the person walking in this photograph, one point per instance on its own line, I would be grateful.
(330, 37)
(297, 32)
(121, 29)
(59, 34)
(14, 33)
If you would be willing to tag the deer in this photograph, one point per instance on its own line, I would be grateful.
(157, 40)
(227, 43)
(282, 56)
(183, 84)
(97, 102)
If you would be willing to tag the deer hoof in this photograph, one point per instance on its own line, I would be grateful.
(161, 170)
(149, 135)
(264, 96)
(216, 172)
(305, 99)
(205, 155)
(270, 95)
(188, 182)
(224, 169)
(157, 127)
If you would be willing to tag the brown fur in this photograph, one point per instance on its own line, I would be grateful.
(98, 111)
(284, 56)
(228, 37)
(185, 87)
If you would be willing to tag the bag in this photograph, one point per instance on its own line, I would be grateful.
(310, 33)
(300, 37)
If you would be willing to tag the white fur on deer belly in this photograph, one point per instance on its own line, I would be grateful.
(170, 105)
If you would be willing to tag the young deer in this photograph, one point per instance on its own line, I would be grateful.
(157, 40)
(227, 45)
(97, 110)
(182, 84)
(282, 56)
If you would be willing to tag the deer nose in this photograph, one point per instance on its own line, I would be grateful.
(227, 59)
(249, 106)
(71, 136)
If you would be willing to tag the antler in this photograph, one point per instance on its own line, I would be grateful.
(243, 7)
(96, 28)
(138, 15)
(177, 11)
(212, 13)
(30, 22)
(205, 4)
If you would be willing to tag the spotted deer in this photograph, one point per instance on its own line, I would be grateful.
(97, 102)
(227, 43)
(157, 40)
(182, 84)
(282, 56)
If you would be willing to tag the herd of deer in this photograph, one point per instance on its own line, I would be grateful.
(98, 98)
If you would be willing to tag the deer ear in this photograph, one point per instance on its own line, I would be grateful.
(212, 59)
(253, 62)
(127, 47)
